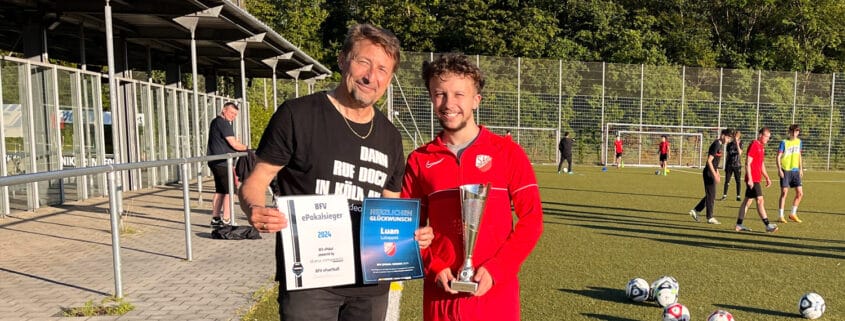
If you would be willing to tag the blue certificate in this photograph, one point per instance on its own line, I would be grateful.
(388, 249)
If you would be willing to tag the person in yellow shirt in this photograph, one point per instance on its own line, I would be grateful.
(791, 171)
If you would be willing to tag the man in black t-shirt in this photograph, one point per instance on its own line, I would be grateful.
(733, 164)
(711, 177)
(565, 148)
(322, 144)
(222, 140)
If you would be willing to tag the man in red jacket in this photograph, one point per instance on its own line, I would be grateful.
(466, 153)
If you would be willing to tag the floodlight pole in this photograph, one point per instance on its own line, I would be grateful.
(190, 22)
(272, 62)
(295, 75)
(240, 47)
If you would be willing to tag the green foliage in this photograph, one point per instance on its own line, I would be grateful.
(801, 35)
(108, 306)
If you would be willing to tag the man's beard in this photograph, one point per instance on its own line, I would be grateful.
(361, 99)
(461, 125)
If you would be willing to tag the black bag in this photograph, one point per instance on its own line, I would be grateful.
(229, 232)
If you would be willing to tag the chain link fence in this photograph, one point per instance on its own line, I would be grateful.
(540, 99)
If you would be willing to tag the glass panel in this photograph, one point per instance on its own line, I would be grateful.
(67, 127)
(172, 118)
(14, 119)
(46, 123)
(160, 129)
(92, 120)
(142, 126)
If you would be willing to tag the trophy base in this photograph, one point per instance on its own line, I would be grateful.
(463, 286)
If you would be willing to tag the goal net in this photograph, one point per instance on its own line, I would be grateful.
(641, 148)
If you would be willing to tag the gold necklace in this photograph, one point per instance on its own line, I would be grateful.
(343, 115)
(372, 121)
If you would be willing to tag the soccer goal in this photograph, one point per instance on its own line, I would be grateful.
(642, 151)
(641, 141)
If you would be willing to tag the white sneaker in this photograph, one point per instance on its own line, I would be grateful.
(713, 220)
(742, 228)
(771, 228)
(694, 215)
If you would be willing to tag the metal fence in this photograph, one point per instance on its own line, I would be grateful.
(539, 99)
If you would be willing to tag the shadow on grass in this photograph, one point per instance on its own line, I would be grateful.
(758, 310)
(646, 222)
(606, 317)
(600, 293)
(673, 197)
(784, 248)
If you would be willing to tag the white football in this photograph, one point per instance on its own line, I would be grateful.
(666, 296)
(720, 315)
(676, 312)
(662, 283)
(637, 290)
(811, 306)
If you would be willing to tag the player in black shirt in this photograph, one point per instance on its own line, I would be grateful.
(711, 177)
(565, 148)
(733, 165)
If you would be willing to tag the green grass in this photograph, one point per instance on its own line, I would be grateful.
(602, 229)
(109, 306)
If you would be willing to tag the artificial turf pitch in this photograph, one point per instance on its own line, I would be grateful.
(603, 228)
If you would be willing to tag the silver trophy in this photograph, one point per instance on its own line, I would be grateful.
(473, 199)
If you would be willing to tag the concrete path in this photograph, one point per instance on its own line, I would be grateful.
(61, 257)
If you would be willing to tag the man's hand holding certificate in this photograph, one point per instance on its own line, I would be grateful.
(317, 243)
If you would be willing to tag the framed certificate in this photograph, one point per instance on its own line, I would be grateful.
(388, 249)
(317, 243)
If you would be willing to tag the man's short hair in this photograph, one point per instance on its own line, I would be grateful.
(454, 63)
(763, 130)
(727, 132)
(379, 36)
(793, 128)
(231, 104)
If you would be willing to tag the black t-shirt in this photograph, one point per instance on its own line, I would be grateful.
(321, 155)
(217, 144)
(732, 159)
(715, 150)
(565, 146)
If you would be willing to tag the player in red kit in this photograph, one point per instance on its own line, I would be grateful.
(466, 153)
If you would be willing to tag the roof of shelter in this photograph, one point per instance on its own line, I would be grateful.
(150, 24)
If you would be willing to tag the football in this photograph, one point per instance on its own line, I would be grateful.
(720, 315)
(811, 306)
(663, 282)
(676, 312)
(666, 296)
(656, 172)
(637, 290)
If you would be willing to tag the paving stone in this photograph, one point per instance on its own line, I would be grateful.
(59, 257)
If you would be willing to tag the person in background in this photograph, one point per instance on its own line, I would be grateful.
(565, 148)
(663, 150)
(222, 140)
(733, 165)
(711, 177)
(755, 170)
(791, 172)
(619, 150)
